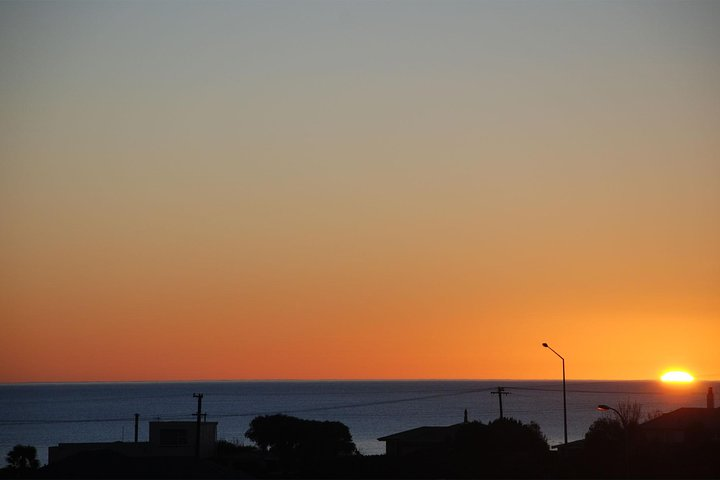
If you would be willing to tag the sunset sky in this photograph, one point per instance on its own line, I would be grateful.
(359, 189)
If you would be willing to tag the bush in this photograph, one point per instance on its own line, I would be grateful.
(290, 436)
(22, 457)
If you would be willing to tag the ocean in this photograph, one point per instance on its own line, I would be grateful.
(47, 414)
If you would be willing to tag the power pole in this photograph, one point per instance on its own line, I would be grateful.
(199, 396)
(500, 392)
(137, 419)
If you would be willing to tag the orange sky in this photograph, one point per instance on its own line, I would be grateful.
(356, 190)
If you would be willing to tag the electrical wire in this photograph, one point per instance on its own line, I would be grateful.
(531, 388)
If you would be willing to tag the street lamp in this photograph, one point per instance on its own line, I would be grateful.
(564, 395)
(605, 408)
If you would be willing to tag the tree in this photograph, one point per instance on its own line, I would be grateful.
(632, 412)
(625, 424)
(22, 457)
(605, 434)
(503, 448)
(611, 441)
(291, 436)
(501, 436)
(509, 434)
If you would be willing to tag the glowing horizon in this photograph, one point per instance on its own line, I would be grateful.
(680, 380)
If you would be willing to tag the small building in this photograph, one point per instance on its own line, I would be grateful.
(569, 449)
(166, 439)
(420, 439)
(685, 424)
(173, 439)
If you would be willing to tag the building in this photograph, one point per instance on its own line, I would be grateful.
(178, 438)
(685, 424)
(420, 439)
(166, 439)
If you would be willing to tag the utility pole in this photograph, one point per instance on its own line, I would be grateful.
(137, 419)
(500, 392)
(199, 396)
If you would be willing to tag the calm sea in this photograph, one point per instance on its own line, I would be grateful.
(46, 414)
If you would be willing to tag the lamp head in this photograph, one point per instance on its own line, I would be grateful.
(545, 345)
(603, 408)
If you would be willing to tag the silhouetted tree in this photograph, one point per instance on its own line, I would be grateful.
(22, 457)
(509, 434)
(632, 412)
(611, 432)
(604, 432)
(503, 448)
(283, 434)
(304, 447)
(611, 441)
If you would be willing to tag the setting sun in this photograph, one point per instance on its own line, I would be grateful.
(677, 377)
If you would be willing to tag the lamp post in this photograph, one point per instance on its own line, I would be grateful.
(605, 408)
(564, 395)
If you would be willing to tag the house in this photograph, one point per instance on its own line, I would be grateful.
(570, 449)
(685, 424)
(166, 439)
(420, 439)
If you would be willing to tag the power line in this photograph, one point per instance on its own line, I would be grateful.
(85, 420)
(356, 405)
(615, 392)
(257, 413)
(331, 407)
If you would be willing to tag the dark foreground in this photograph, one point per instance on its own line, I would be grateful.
(288, 447)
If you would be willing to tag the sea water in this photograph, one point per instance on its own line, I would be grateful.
(47, 414)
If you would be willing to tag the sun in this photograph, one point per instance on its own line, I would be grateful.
(677, 377)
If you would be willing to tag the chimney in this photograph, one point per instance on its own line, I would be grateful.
(710, 398)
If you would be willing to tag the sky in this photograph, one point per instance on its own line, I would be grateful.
(359, 189)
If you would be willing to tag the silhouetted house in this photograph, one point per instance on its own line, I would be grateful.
(166, 439)
(685, 424)
(571, 448)
(420, 439)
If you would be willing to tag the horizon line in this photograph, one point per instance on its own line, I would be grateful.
(319, 380)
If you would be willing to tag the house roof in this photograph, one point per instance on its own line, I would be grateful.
(179, 423)
(683, 418)
(424, 434)
(571, 445)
